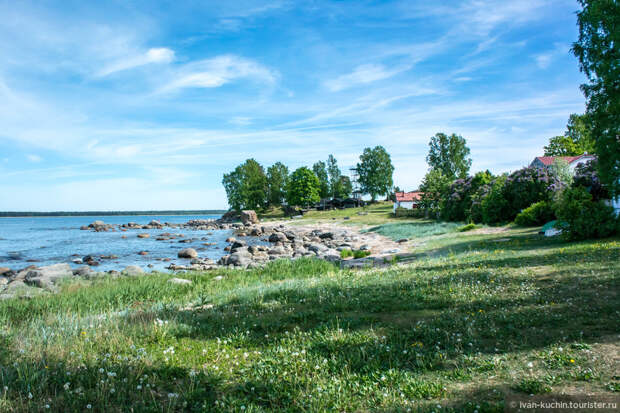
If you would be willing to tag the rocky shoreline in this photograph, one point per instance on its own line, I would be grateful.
(281, 241)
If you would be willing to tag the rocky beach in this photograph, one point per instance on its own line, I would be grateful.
(250, 244)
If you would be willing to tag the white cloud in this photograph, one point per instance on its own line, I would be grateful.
(363, 74)
(155, 55)
(544, 60)
(34, 158)
(216, 72)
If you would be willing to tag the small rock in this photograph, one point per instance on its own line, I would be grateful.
(188, 253)
(180, 281)
(4, 270)
(218, 278)
(143, 235)
(400, 241)
(143, 253)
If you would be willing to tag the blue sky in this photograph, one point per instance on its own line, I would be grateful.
(144, 105)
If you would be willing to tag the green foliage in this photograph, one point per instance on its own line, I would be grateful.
(411, 213)
(562, 171)
(450, 155)
(320, 171)
(334, 176)
(468, 227)
(303, 188)
(533, 386)
(536, 214)
(375, 171)
(360, 254)
(456, 205)
(494, 206)
(435, 186)
(598, 53)
(583, 217)
(277, 178)
(246, 187)
(577, 139)
(346, 253)
(343, 187)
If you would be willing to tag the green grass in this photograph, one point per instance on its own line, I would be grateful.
(475, 317)
(419, 229)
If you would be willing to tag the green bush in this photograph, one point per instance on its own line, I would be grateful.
(536, 214)
(409, 213)
(583, 217)
(467, 227)
(494, 206)
(346, 253)
(360, 254)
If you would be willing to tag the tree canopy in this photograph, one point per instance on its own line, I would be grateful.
(277, 178)
(246, 186)
(375, 171)
(577, 139)
(334, 175)
(320, 170)
(598, 51)
(302, 187)
(450, 155)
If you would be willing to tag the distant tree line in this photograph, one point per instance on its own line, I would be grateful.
(107, 213)
(250, 186)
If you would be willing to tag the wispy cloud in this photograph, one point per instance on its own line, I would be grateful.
(34, 158)
(217, 71)
(363, 74)
(155, 55)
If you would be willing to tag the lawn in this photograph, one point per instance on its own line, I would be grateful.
(478, 315)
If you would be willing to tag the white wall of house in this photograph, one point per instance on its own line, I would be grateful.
(404, 204)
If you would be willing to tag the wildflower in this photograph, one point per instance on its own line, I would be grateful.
(30, 395)
(66, 386)
(572, 361)
(112, 390)
(172, 395)
(101, 370)
(530, 364)
(47, 406)
(139, 387)
(88, 406)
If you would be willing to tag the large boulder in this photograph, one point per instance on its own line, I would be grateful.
(180, 281)
(278, 237)
(4, 270)
(240, 259)
(249, 217)
(188, 253)
(132, 270)
(46, 277)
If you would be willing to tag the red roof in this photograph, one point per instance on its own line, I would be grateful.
(408, 196)
(548, 160)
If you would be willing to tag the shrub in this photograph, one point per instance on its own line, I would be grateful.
(536, 214)
(346, 253)
(467, 227)
(409, 213)
(360, 254)
(527, 186)
(457, 202)
(494, 206)
(582, 217)
(586, 176)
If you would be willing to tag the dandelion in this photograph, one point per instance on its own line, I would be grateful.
(572, 361)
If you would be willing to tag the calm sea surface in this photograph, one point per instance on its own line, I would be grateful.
(51, 240)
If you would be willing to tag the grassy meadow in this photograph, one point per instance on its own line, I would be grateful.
(478, 315)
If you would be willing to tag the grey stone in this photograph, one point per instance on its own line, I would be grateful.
(249, 217)
(132, 270)
(187, 253)
(46, 277)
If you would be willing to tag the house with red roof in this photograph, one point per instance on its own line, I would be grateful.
(573, 161)
(407, 200)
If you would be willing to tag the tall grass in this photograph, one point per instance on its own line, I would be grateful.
(418, 229)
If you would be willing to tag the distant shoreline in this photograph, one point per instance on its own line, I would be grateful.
(22, 214)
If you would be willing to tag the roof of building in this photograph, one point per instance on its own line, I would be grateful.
(408, 196)
(548, 160)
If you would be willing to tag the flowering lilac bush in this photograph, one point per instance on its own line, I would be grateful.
(527, 186)
(457, 203)
(586, 176)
